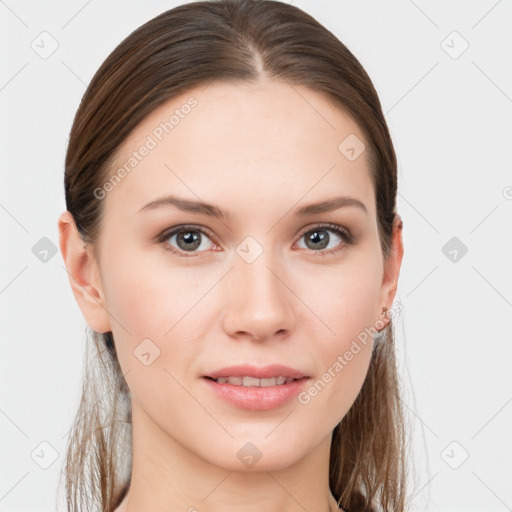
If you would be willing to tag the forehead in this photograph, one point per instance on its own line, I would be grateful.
(241, 143)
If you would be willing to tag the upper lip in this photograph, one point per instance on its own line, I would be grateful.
(263, 372)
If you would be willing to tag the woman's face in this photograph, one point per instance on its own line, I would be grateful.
(248, 280)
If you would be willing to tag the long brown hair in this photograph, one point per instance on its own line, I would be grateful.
(232, 41)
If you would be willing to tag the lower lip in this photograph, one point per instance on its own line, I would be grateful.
(256, 398)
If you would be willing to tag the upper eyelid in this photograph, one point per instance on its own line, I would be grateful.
(166, 233)
(326, 226)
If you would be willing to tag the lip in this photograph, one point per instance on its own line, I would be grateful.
(253, 397)
(264, 372)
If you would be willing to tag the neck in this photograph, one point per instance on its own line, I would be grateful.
(167, 476)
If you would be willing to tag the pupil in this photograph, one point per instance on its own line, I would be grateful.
(191, 239)
(319, 237)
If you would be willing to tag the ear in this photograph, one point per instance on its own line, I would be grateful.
(391, 270)
(83, 274)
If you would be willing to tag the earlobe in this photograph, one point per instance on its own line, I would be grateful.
(83, 274)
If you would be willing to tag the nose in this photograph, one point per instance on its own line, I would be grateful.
(259, 304)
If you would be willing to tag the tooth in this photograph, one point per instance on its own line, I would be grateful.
(255, 382)
(269, 382)
(251, 381)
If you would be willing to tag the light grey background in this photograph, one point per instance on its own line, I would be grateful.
(450, 119)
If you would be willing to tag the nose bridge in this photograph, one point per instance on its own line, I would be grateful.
(259, 303)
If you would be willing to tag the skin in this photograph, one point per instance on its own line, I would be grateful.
(258, 152)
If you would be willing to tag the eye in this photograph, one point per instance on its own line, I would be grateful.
(187, 239)
(320, 241)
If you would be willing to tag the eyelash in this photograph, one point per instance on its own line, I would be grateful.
(348, 238)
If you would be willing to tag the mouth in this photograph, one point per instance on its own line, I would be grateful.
(257, 389)
(255, 398)
(247, 381)
(250, 375)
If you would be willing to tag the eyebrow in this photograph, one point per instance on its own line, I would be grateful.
(200, 207)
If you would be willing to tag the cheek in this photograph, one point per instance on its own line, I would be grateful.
(343, 301)
(149, 297)
(342, 338)
(161, 313)
(155, 329)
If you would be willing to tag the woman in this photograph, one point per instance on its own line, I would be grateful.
(232, 240)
